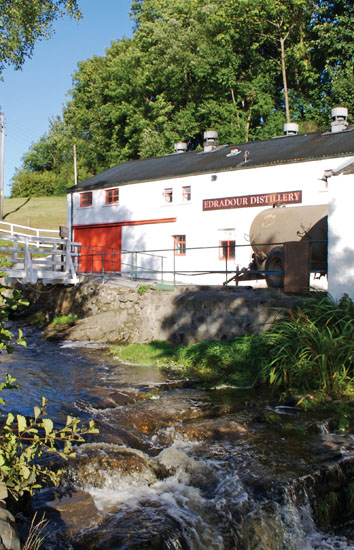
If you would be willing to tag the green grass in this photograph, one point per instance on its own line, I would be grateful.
(157, 353)
(235, 362)
(308, 353)
(63, 320)
(38, 212)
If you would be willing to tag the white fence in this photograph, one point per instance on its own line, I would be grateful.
(32, 255)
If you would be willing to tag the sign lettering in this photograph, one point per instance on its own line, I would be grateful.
(268, 199)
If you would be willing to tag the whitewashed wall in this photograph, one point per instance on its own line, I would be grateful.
(341, 236)
(145, 201)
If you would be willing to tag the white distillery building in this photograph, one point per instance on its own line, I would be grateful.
(185, 217)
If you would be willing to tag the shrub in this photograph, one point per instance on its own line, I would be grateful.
(313, 349)
(24, 440)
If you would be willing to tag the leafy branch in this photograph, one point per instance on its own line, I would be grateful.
(24, 441)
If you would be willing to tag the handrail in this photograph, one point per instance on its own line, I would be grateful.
(115, 261)
(55, 265)
(37, 231)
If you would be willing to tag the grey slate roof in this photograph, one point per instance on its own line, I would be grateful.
(281, 150)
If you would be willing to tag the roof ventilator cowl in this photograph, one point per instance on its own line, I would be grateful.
(291, 129)
(210, 140)
(181, 147)
(339, 119)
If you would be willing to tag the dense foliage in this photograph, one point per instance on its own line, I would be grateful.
(240, 66)
(313, 350)
(310, 352)
(23, 23)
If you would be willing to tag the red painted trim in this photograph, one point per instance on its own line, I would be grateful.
(121, 224)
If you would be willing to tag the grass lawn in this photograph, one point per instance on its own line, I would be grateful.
(37, 212)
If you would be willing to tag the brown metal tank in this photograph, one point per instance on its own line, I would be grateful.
(274, 226)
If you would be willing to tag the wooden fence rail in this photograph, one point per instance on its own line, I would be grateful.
(35, 257)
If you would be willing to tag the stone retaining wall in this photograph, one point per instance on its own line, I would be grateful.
(114, 312)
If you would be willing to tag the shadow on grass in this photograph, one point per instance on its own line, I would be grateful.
(16, 209)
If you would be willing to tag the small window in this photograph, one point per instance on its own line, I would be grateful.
(227, 250)
(86, 199)
(186, 193)
(112, 196)
(167, 193)
(180, 245)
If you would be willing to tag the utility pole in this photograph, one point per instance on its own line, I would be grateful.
(75, 166)
(2, 166)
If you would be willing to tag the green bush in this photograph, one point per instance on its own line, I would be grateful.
(24, 440)
(313, 349)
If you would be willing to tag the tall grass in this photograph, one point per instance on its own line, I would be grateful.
(313, 349)
(310, 350)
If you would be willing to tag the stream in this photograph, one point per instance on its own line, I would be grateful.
(177, 467)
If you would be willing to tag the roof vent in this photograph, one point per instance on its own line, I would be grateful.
(181, 147)
(339, 119)
(291, 129)
(210, 140)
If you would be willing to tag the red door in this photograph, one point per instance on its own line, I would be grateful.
(100, 248)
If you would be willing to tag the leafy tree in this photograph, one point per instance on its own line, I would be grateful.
(332, 52)
(242, 67)
(23, 22)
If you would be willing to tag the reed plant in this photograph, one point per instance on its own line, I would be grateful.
(313, 348)
(37, 533)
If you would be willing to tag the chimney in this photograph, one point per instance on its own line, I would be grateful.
(181, 147)
(339, 119)
(210, 140)
(291, 129)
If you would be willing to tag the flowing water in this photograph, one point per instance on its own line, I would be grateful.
(176, 467)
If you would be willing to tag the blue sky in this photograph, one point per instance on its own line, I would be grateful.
(33, 95)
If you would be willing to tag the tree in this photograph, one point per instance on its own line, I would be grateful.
(24, 22)
(242, 67)
(332, 52)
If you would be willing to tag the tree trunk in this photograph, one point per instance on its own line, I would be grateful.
(285, 84)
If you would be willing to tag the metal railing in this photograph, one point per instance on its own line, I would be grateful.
(135, 263)
(164, 264)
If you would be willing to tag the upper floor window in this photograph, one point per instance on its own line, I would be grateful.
(180, 245)
(186, 193)
(112, 196)
(227, 250)
(167, 193)
(86, 199)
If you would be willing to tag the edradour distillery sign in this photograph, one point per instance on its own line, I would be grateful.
(267, 199)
